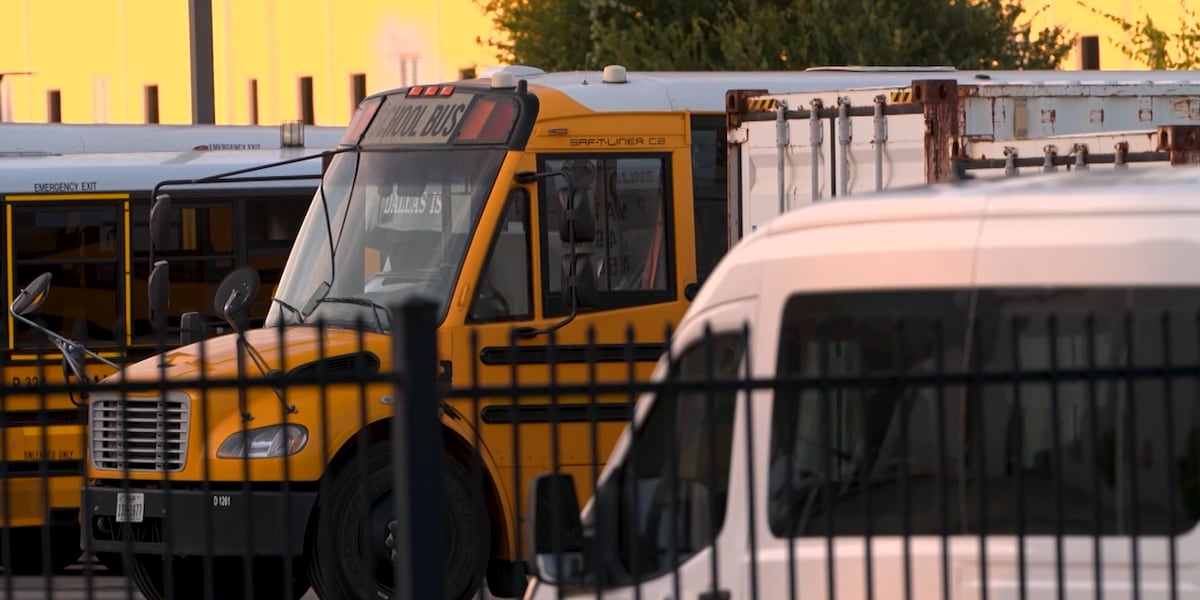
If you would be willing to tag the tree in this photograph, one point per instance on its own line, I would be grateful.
(771, 34)
(1157, 48)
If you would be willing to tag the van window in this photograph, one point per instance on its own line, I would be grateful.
(676, 477)
(1002, 411)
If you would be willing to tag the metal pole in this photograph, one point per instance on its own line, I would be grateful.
(2, 76)
(417, 452)
(200, 30)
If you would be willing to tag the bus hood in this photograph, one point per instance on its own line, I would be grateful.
(309, 353)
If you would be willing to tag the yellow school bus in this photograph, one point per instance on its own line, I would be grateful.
(457, 192)
(84, 219)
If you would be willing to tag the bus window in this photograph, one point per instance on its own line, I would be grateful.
(271, 224)
(709, 176)
(503, 292)
(80, 245)
(632, 250)
(201, 250)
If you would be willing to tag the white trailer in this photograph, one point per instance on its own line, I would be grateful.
(939, 130)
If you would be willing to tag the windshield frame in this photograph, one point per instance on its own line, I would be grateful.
(321, 287)
(357, 143)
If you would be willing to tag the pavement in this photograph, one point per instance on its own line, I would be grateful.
(72, 585)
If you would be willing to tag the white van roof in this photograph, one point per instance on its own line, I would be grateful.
(1082, 228)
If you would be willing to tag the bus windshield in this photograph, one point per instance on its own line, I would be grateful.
(398, 225)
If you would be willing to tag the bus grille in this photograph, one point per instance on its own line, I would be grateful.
(141, 434)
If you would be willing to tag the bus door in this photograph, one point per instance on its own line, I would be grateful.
(629, 198)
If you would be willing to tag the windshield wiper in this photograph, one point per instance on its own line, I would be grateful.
(373, 305)
(290, 308)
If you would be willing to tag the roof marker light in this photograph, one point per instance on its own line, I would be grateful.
(503, 80)
(614, 74)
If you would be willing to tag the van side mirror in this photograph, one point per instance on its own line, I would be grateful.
(191, 328)
(557, 529)
(579, 280)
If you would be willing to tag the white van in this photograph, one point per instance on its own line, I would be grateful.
(943, 371)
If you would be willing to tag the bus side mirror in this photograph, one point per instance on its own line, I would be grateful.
(579, 280)
(577, 217)
(557, 529)
(160, 287)
(160, 220)
(235, 293)
(191, 328)
(31, 297)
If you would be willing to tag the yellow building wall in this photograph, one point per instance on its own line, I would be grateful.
(100, 55)
(1080, 20)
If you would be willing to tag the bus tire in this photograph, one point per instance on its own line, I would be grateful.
(226, 580)
(336, 564)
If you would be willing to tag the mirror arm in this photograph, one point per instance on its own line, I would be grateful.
(269, 374)
(58, 339)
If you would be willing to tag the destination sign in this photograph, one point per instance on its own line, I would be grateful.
(417, 120)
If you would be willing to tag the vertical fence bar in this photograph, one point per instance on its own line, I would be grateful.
(44, 479)
(975, 390)
(750, 486)
(1057, 469)
(1019, 449)
(631, 459)
(905, 490)
(417, 452)
(673, 391)
(1169, 428)
(860, 339)
(1135, 551)
(826, 486)
(1094, 459)
(594, 452)
(288, 564)
(518, 578)
(368, 545)
(710, 458)
(476, 467)
(6, 533)
(943, 466)
(555, 464)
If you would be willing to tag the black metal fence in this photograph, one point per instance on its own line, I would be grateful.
(874, 455)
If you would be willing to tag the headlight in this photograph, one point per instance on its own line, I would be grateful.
(268, 442)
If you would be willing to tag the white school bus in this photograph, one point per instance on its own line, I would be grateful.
(41, 139)
(83, 218)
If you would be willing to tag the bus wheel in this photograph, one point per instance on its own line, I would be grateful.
(352, 548)
(227, 578)
(26, 558)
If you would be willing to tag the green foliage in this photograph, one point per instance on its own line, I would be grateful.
(1157, 48)
(771, 34)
